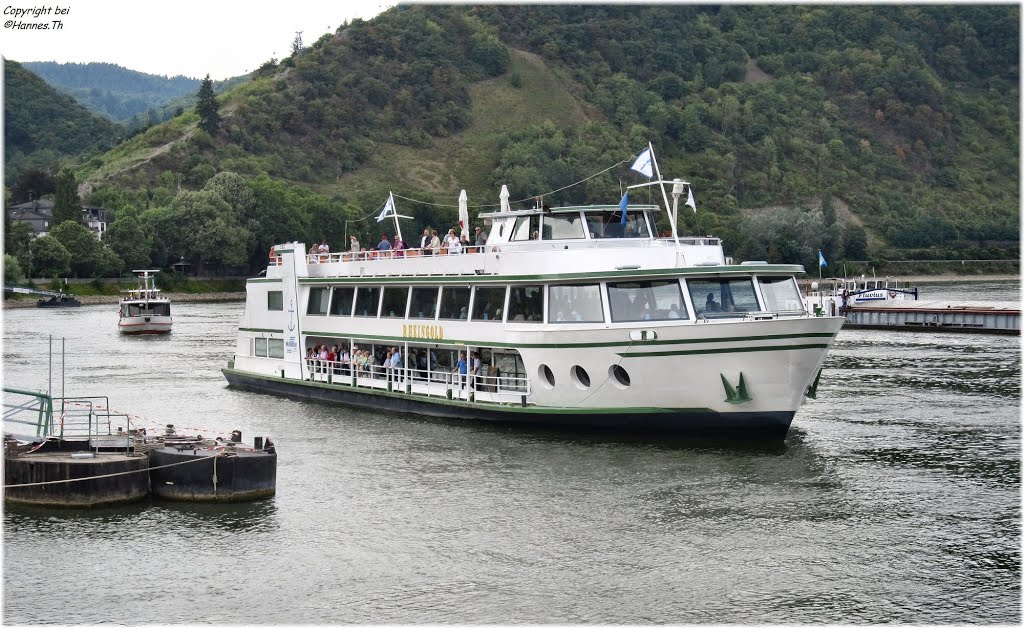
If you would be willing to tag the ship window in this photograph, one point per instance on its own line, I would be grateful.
(546, 376)
(260, 348)
(781, 294)
(620, 375)
(722, 297)
(454, 303)
(394, 302)
(424, 303)
(317, 301)
(526, 304)
(527, 228)
(275, 300)
(367, 299)
(646, 301)
(575, 304)
(488, 303)
(610, 224)
(159, 309)
(563, 227)
(341, 301)
(580, 377)
(275, 348)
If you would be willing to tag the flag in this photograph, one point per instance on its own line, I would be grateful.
(821, 260)
(623, 205)
(689, 199)
(643, 163)
(389, 209)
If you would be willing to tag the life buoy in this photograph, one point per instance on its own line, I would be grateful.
(892, 294)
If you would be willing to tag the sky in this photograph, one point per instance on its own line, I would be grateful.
(222, 38)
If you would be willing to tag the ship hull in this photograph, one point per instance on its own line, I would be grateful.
(703, 422)
(147, 325)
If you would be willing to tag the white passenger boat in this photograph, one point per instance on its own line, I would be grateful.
(833, 295)
(143, 310)
(578, 318)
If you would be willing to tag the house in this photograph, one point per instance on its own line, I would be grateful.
(39, 214)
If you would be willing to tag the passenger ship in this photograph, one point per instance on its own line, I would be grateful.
(143, 310)
(579, 318)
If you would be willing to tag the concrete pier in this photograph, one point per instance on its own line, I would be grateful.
(994, 318)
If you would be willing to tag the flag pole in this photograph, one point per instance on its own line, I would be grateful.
(664, 195)
(398, 229)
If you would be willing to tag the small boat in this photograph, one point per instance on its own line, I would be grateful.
(838, 294)
(143, 310)
(575, 317)
(59, 300)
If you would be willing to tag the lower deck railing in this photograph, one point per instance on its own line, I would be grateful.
(430, 383)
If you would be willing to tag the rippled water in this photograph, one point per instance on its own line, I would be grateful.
(895, 498)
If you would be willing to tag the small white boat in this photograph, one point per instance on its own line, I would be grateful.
(837, 294)
(143, 310)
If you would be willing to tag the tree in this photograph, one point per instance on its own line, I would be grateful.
(297, 43)
(12, 270)
(855, 243)
(49, 257)
(17, 238)
(66, 204)
(210, 233)
(83, 247)
(128, 239)
(207, 108)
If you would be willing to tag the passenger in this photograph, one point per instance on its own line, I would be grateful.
(353, 245)
(399, 247)
(332, 354)
(481, 238)
(535, 235)
(459, 372)
(324, 249)
(451, 241)
(711, 306)
(463, 314)
(673, 312)
(425, 242)
(476, 371)
(435, 243)
(384, 244)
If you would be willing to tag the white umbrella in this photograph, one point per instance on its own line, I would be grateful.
(464, 213)
(504, 199)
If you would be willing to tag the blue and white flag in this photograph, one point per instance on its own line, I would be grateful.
(623, 206)
(821, 259)
(689, 199)
(389, 209)
(644, 163)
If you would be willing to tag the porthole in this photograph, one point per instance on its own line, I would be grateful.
(547, 378)
(619, 376)
(580, 377)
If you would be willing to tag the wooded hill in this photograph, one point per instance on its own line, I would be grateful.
(866, 131)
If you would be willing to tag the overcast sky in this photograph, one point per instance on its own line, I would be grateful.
(222, 38)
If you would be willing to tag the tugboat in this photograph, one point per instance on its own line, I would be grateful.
(144, 310)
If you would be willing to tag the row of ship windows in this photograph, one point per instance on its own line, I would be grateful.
(565, 303)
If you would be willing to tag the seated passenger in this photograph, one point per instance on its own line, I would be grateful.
(711, 305)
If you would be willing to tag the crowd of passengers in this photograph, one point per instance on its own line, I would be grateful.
(430, 244)
(388, 363)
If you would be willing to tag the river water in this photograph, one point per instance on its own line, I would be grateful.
(894, 498)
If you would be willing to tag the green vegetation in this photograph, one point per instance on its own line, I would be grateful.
(881, 133)
(206, 107)
(43, 127)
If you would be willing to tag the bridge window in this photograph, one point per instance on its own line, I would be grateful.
(317, 301)
(722, 296)
(575, 304)
(341, 301)
(563, 227)
(646, 301)
(781, 294)
(455, 303)
(367, 300)
(275, 300)
(526, 228)
(488, 303)
(424, 303)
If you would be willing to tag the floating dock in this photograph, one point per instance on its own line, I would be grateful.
(61, 478)
(990, 318)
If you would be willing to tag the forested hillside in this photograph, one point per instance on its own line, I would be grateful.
(43, 127)
(870, 132)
